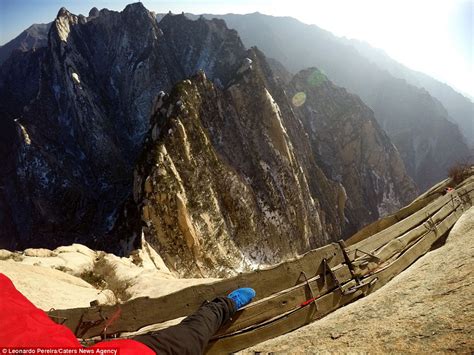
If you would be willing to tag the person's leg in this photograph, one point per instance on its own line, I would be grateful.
(193, 333)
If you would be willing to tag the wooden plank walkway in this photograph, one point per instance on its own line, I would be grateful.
(140, 312)
(387, 221)
(379, 239)
(379, 276)
(366, 263)
(331, 277)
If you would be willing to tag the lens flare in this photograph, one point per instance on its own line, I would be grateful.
(299, 99)
(316, 78)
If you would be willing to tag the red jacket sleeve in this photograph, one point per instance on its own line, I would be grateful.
(25, 325)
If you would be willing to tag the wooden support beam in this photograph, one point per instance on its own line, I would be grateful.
(143, 311)
(365, 264)
(383, 223)
(293, 320)
(379, 239)
(408, 257)
(284, 301)
(284, 324)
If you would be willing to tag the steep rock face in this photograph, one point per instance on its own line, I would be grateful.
(74, 115)
(428, 143)
(395, 102)
(202, 45)
(228, 178)
(221, 189)
(351, 147)
(459, 108)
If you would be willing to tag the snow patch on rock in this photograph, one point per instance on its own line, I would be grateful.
(24, 133)
(75, 78)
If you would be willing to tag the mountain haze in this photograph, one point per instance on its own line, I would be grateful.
(369, 73)
(35, 36)
(459, 107)
(224, 172)
(415, 120)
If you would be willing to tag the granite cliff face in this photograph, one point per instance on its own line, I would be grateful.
(364, 70)
(418, 124)
(351, 147)
(230, 179)
(414, 119)
(233, 169)
(74, 113)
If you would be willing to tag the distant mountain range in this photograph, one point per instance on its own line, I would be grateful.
(416, 110)
(407, 104)
(122, 127)
(460, 107)
(256, 29)
(35, 36)
(269, 32)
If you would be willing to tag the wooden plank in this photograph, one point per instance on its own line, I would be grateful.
(436, 189)
(388, 221)
(366, 264)
(296, 319)
(302, 316)
(466, 181)
(420, 248)
(421, 201)
(143, 311)
(376, 241)
(306, 315)
(282, 302)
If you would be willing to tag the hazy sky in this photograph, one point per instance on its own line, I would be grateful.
(432, 36)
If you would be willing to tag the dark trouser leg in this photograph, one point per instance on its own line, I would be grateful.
(193, 333)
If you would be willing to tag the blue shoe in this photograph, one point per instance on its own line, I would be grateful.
(242, 296)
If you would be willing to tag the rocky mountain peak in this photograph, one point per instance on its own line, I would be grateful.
(230, 176)
(33, 38)
(415, 121)
(85, 103)
(348, 133)
(94, 12)
(63, 23)
(136, 7)
(137, 11)
(63, 12)
(230, 172)
(203, 44)
(211, 181)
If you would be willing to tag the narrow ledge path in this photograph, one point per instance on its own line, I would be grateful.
(427, 308)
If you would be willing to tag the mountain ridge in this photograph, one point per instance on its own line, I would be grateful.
(78, 113)
(287, 39)
(92, 68)
(246, 148)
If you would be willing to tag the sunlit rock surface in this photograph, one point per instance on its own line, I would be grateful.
(237, 170)
(233, 179)
(351, 147)
(74, 114)
(420, 115)
(74, 276)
